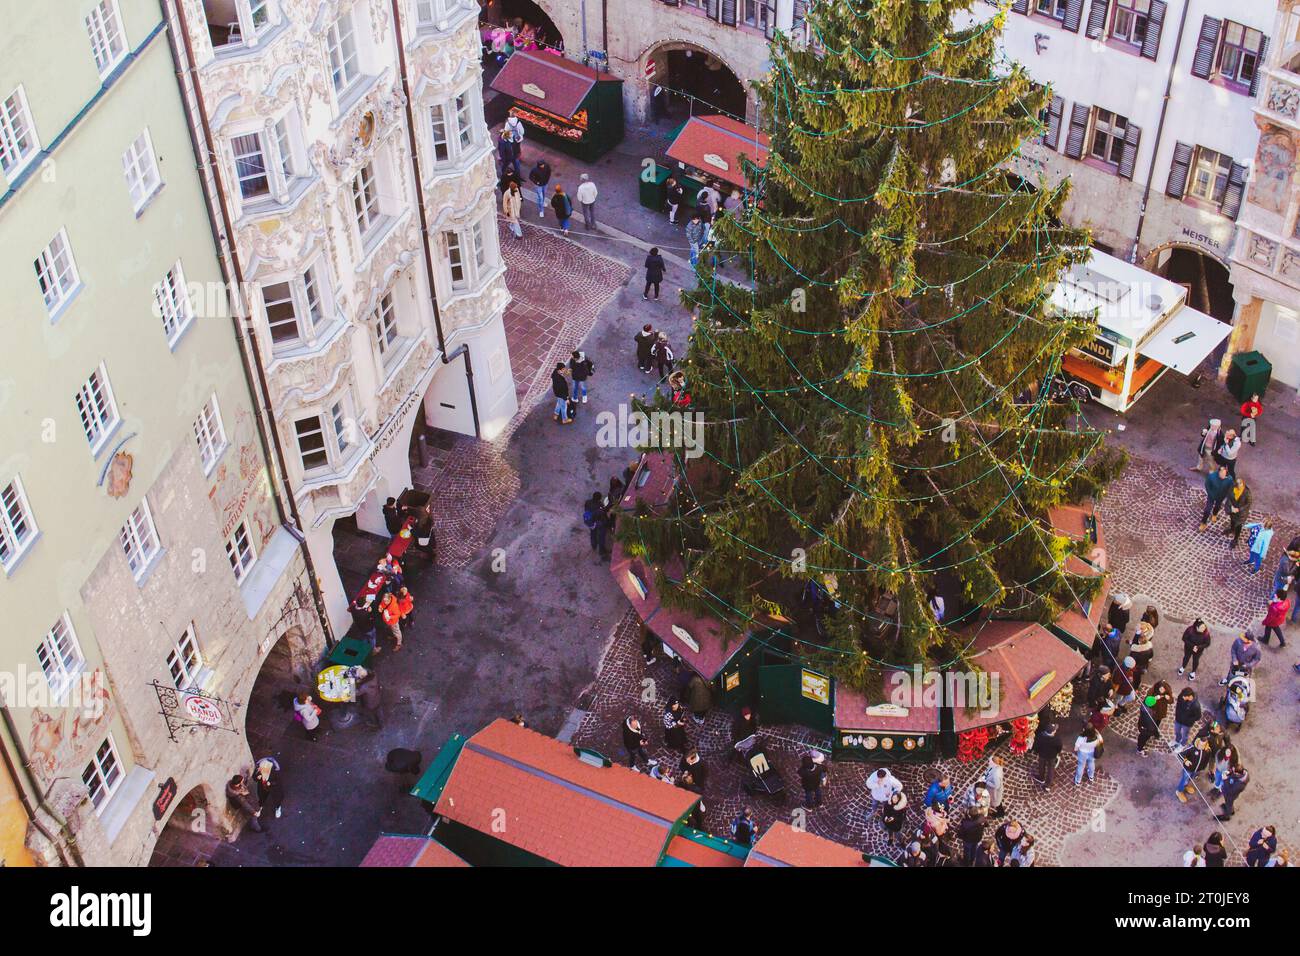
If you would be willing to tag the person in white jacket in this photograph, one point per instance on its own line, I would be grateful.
(882, 785)
(587, 199)
(307, 712)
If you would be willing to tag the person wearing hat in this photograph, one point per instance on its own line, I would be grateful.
(1195, 640)
(1124, 683)
(587, 199)
(812, 777)
(915, 856)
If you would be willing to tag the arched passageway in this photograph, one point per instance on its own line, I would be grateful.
(692, 80)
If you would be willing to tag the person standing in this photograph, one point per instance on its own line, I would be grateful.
(1245, 654)
(635, 743)
(1205, 450)
(1217, 485)
(675, 726)
(539, 176)
(1216, 854)
(562, 206)
(1234, 784)
(893, 816)
(1259, 535)
(1225, 761)
(695, 237)
(744, 828)
(882, 785)
(939, 792)
(370, 695)
(1187, 714)
(1085, 750)
(512, 203)
(513, 130)
(1142, 650)
(1275, 618)
(1227, 450)
(1195, 856)
(392, 517)
(654, 273)
(1238, 505)
(971, 833)
(675, 194)
(560, 389)
(812, 777)
(270, 787)
(1194, 759)
(363, 621)
(238, 794)
(1121, 611)
(645, 340)
(307, 712)
(1152, 714)
(597, 523)
(1047, 746)
(662, 353)
(1251, 409)
(1195, 640)
(390, 612)
(580, 369)
(587, 200)
(995, 777)
(1007, 837)
(406, 604)
(1022, 854)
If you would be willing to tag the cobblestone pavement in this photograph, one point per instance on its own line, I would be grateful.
(621, 690)
(1151, 516)
(559, 289)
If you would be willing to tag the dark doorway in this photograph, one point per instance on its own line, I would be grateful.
(270, 705)
(1208, 286)
(694, 81)
(189, 836)
(529, 26)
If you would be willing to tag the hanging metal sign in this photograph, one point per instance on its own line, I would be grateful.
(191, 710)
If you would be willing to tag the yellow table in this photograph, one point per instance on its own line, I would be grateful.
(335, 686)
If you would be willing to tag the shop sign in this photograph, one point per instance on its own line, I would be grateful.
(887, 710)
(650, 69)
(166, 794)
(1203, 239)
(532, 89)
(713, 159)
(203, 710)
(730, 681)
(1100, 349)
(816, 687)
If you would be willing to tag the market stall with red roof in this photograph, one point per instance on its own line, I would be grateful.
(564, 104)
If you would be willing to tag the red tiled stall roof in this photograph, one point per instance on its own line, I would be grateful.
(653, 481)
(562, 83)
(1020, 654)
(556, 806)
(783, 845)
(1072, 521)
(722, 139)
(714, 649)
(850, 714)
(401, 850)
(697, 854)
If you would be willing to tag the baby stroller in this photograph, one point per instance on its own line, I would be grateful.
(1237, 697)
(762, 778)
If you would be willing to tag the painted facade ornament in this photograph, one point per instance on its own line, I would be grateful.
(1261, 251)
(120, 471)
(1274, 165)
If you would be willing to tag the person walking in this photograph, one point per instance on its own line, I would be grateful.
(812, 777)
(695, 237)
(645, 340)
(1187, 714)
(635, 743)
(675, 195)
(1196, 638)
(562, 206)
(1234, 784)
(580, 369)
(597, 523)
(560, 389)
(1245, 654)
(1275, 618)
(587, 200)
(1216, 854)
(1259, 535)
(1217, 485)
(1238, 505)
(1047, 747)
(539, 176)
(307, 712)
(675, 726)
(1285, 575)
(1085, 751)
(270, 788)
(1251, 409)
(370, 695)
(1195, 760)
(512, 204)
(1155, 706)
(662, 353)
(237, 793)
(1227, 450)
(654, 273)
(1205, 450)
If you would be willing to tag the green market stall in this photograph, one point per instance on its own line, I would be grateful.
(571, 107)
(704, 148)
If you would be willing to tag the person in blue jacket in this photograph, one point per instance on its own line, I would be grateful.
(940, 793)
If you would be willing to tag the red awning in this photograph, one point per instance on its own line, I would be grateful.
(547, 82)
(715, 143)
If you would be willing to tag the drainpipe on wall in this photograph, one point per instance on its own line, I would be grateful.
(232, 272)
(28, 773)
(463, 349)
(1160, 126)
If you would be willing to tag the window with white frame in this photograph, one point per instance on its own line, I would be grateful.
(1052, 8)
(240, 551)
(365, 198)
(284, 146)
(1131, 20)
(140, 165)
(312, 450)
(324, 439)
(210, 433)
(17, 526)
(465, 120)
(250, 166)
(184, 662)
(56, 271)
(1209, 175)
(18, 142)
(294, 308)
(341, 40)
(1108, 136)
(342, 423)
(468, 255)
(103, 775)
(97, 408)
(60, 655)
(107, 38)
(173, 302)
(139, 539)
(384, 323)
(427, 12)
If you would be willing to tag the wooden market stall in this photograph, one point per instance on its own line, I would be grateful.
(866, 730)
(707, 147)
(1144, 328)
(783, 845)
(564, 104)
(1078, 624)
(409, 850)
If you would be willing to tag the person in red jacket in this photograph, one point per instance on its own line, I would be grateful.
(1275, 617)
(1250, 410)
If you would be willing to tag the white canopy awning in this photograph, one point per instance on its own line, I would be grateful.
(1183, 342)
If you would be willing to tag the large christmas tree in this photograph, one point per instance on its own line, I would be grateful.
(865, 400)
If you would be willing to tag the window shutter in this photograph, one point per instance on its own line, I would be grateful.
(1078, 129)
(1206, 44)
(711, 9)
(1055, 110)
(729, 12)
(1128, 158)
(1073, 14)
(1259, 66)
(1155, 23)
(1020, 6)
(1096, 19)
(1233, 192)
(1178, 170)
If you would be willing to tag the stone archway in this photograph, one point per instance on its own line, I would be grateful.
(1208, 282)
(285, 672)
(191, 832)
(692, 80)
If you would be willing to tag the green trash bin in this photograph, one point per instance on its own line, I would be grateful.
(1249, 375)
(653, 192)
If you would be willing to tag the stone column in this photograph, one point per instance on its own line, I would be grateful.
(1242, 339)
